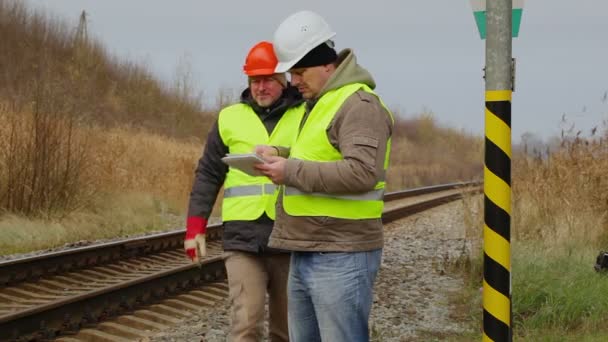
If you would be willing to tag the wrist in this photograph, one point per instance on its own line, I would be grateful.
(195, 225)
(286, 170)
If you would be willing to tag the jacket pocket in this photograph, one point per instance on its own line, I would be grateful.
(365, 141)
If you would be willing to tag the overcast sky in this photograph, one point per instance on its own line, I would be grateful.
(424, 54)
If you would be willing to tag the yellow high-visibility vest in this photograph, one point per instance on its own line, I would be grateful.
(313, 144)
(247, 197)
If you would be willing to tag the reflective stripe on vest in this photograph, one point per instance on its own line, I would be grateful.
(374, 195)
(247, 197)
(250, 190)
(313, 144)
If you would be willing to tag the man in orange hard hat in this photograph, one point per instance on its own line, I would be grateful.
(269, 113)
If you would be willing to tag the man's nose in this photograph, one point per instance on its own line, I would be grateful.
(264, 84)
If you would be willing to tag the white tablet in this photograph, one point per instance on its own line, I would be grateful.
(244, 162)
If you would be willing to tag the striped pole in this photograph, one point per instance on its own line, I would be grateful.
(497, 174)
(497, 217)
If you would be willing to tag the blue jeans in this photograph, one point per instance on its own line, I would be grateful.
(330, 295)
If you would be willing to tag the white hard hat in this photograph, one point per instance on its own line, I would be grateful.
(297, 35)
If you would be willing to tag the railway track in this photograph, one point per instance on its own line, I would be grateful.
(81, 293)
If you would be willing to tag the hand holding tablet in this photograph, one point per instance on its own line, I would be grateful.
(244, 162)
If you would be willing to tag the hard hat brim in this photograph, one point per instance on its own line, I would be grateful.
(260, 72)
(285, 66)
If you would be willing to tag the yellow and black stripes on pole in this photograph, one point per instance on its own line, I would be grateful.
(497, 217)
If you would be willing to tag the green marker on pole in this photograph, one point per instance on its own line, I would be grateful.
(479, 12)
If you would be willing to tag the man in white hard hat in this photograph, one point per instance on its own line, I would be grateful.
(329, 210)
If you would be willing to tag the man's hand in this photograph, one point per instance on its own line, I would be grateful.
(194, 242)
(274, 168)
(266, 151)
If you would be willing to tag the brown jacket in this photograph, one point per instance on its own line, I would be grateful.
(359, 130)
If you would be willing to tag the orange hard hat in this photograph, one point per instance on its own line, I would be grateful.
(260, 60)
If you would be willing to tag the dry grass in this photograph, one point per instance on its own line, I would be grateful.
(128, 161)
(122, 182)
(562, 199)
(110, 160)
(425, 153)
(43, 164)
(135, 182)
(557, 200)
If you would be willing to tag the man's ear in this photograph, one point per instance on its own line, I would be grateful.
(329, 67)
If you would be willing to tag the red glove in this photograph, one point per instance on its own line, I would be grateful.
(194, 242)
